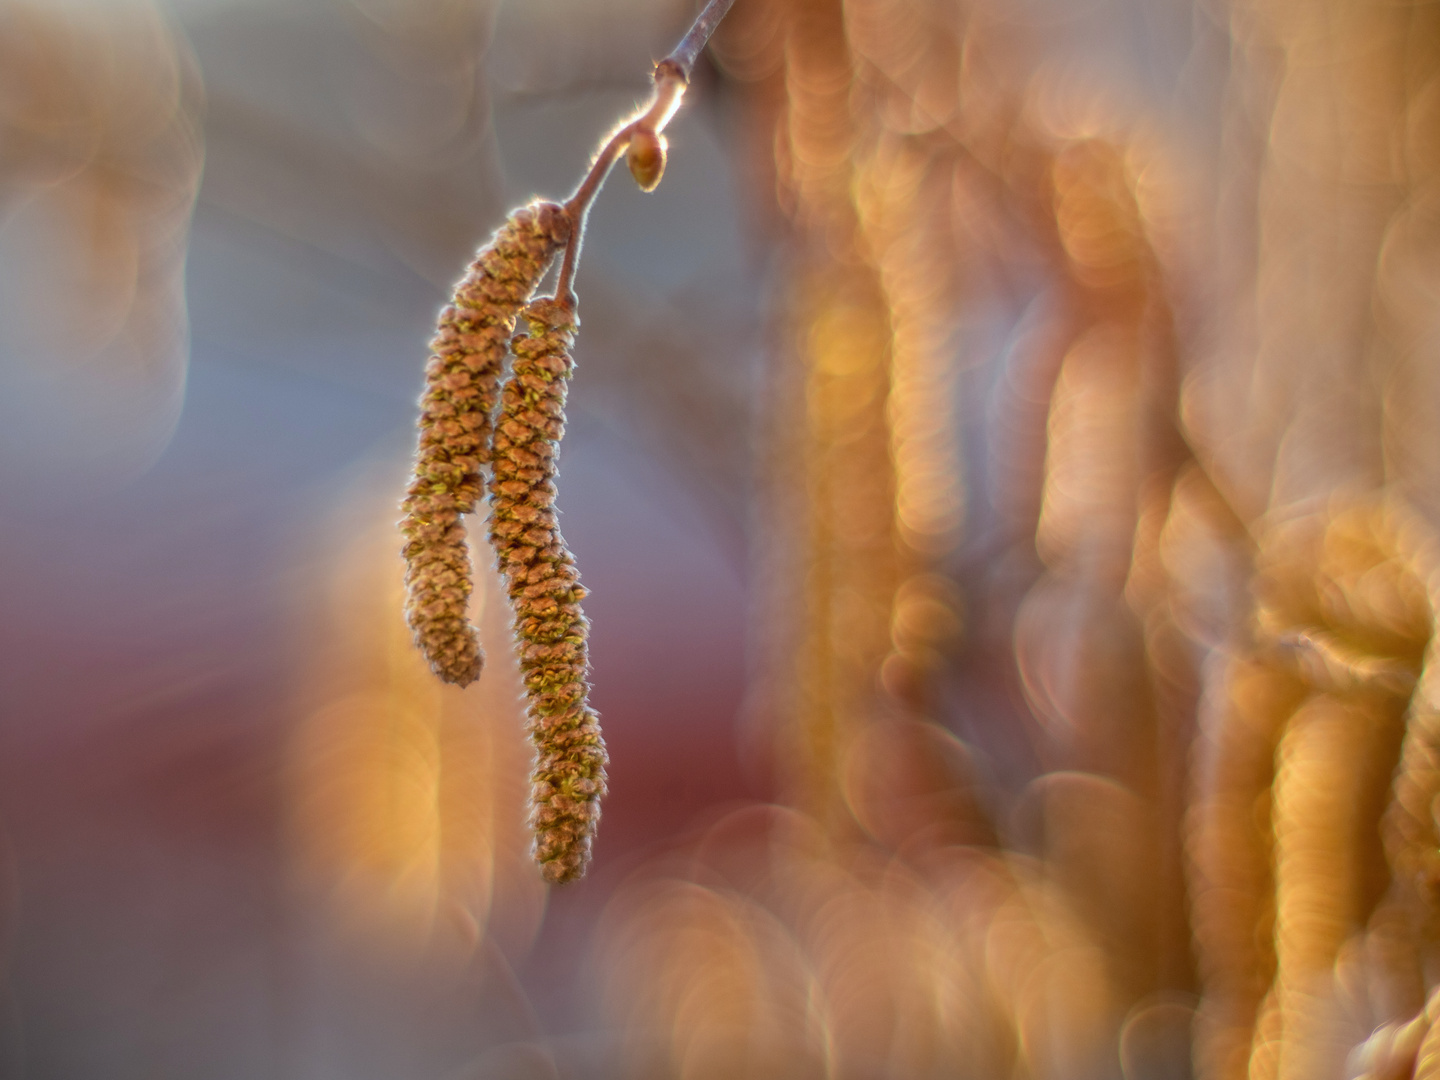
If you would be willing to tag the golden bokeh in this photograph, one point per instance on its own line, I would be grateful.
(407, 797)
(1084, 490)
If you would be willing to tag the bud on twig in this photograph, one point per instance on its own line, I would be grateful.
(646, 158)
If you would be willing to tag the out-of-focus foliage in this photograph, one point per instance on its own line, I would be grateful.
(1195, 541)
(100, 156)
(409, 797)
(1090, 492)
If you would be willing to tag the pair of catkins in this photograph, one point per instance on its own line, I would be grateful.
(473, 416)
(477, 419)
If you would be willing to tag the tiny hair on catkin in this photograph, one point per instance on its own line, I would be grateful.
(462, 382)
(545, 591)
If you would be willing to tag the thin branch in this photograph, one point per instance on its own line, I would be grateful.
(672, 76)
(686, 53)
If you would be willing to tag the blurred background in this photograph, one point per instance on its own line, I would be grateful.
(1003, 459)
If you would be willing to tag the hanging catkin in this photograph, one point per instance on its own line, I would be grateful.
(461, 387)
(545, 592)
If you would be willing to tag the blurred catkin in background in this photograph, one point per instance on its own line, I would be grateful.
(1002, 457)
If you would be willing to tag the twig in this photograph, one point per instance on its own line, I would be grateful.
(640, 135)
(695, 38)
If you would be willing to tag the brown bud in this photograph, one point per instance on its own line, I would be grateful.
(646, 158)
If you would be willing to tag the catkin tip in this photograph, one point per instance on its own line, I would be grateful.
(466, 667)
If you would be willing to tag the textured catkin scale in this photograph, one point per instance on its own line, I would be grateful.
(461, 388)
(545, 592)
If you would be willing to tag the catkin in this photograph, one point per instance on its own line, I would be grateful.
(461, 387)
(545, 591)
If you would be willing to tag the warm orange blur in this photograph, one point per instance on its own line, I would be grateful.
(1001, 459)
(407, 799)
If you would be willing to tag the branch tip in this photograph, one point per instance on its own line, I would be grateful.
(640, 137)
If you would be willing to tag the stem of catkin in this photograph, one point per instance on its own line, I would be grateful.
(641, 137)
(462, 383)
(544, 587)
